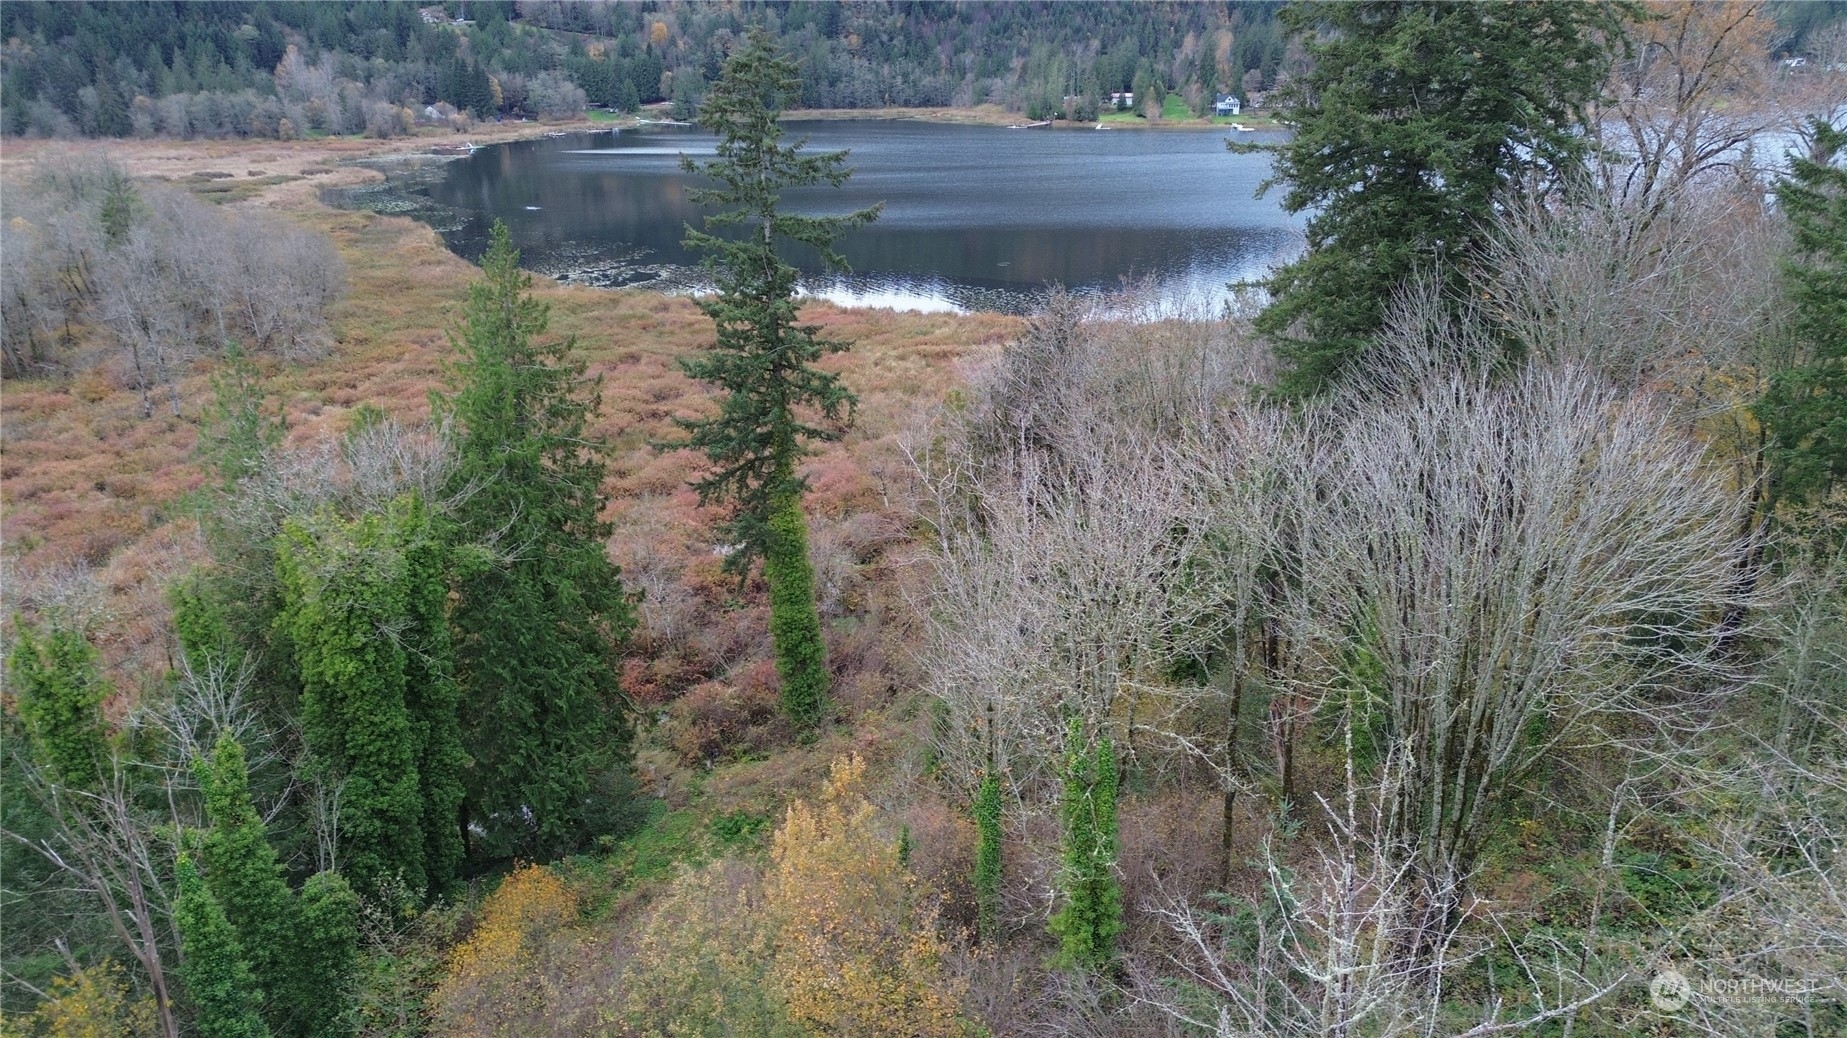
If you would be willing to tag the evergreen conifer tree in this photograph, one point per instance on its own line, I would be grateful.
(225, 995)
(775, 401)
(1417, 121)
(1805, 408)
(59, 697)
(238, 431)
(541, 613)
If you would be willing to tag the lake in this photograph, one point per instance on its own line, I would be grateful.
(976, 217)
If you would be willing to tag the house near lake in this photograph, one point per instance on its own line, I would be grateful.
(1228, 105)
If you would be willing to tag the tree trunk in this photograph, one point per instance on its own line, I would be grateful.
(795, 622)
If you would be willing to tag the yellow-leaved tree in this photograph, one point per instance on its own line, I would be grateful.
(506, 978)
(699, 966)
(856, 949)
(91, 1003)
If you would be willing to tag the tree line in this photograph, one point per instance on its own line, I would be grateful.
(219, 70)
(290, 70)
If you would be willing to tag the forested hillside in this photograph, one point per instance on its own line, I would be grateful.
(1450, 640)
(226, 69)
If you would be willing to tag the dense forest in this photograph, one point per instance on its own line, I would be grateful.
(227, 69)
(1449, 641)
(255, 69)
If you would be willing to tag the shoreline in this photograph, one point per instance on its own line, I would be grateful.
(288, 165)
(994, 115)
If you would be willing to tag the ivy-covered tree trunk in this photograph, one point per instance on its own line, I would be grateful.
(328, 953)
(60, 695)
(987, 859)
(225, 995)
(1091, 917)
(344, 599)
(299, 950)
(431, 696)
(244, 875)
(795, 622)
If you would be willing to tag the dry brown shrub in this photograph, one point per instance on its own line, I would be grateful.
(715, 720)
(1168, 848)
(943, 856)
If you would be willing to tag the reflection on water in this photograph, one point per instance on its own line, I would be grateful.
(975, 218)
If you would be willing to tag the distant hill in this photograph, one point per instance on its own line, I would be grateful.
(189, 69)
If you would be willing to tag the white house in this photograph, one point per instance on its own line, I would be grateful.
(1227, 105)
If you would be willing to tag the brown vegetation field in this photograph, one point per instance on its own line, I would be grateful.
(88, 485)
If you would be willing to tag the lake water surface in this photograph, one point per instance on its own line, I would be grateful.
(975, 218)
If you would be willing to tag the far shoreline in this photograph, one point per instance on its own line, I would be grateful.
(175, 158)
(981, 115)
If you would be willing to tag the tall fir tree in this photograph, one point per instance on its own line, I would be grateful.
(1805, 407)
(541, 613)
(775, 401)
(1417, 121)
(1091, 916)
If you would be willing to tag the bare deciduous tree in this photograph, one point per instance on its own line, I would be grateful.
(1501, 562)
(167, 276)
(138, 303)
(1319, 949)
(1063, 518)
(1692, 96)
(1650, 300)
(1766, 788)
